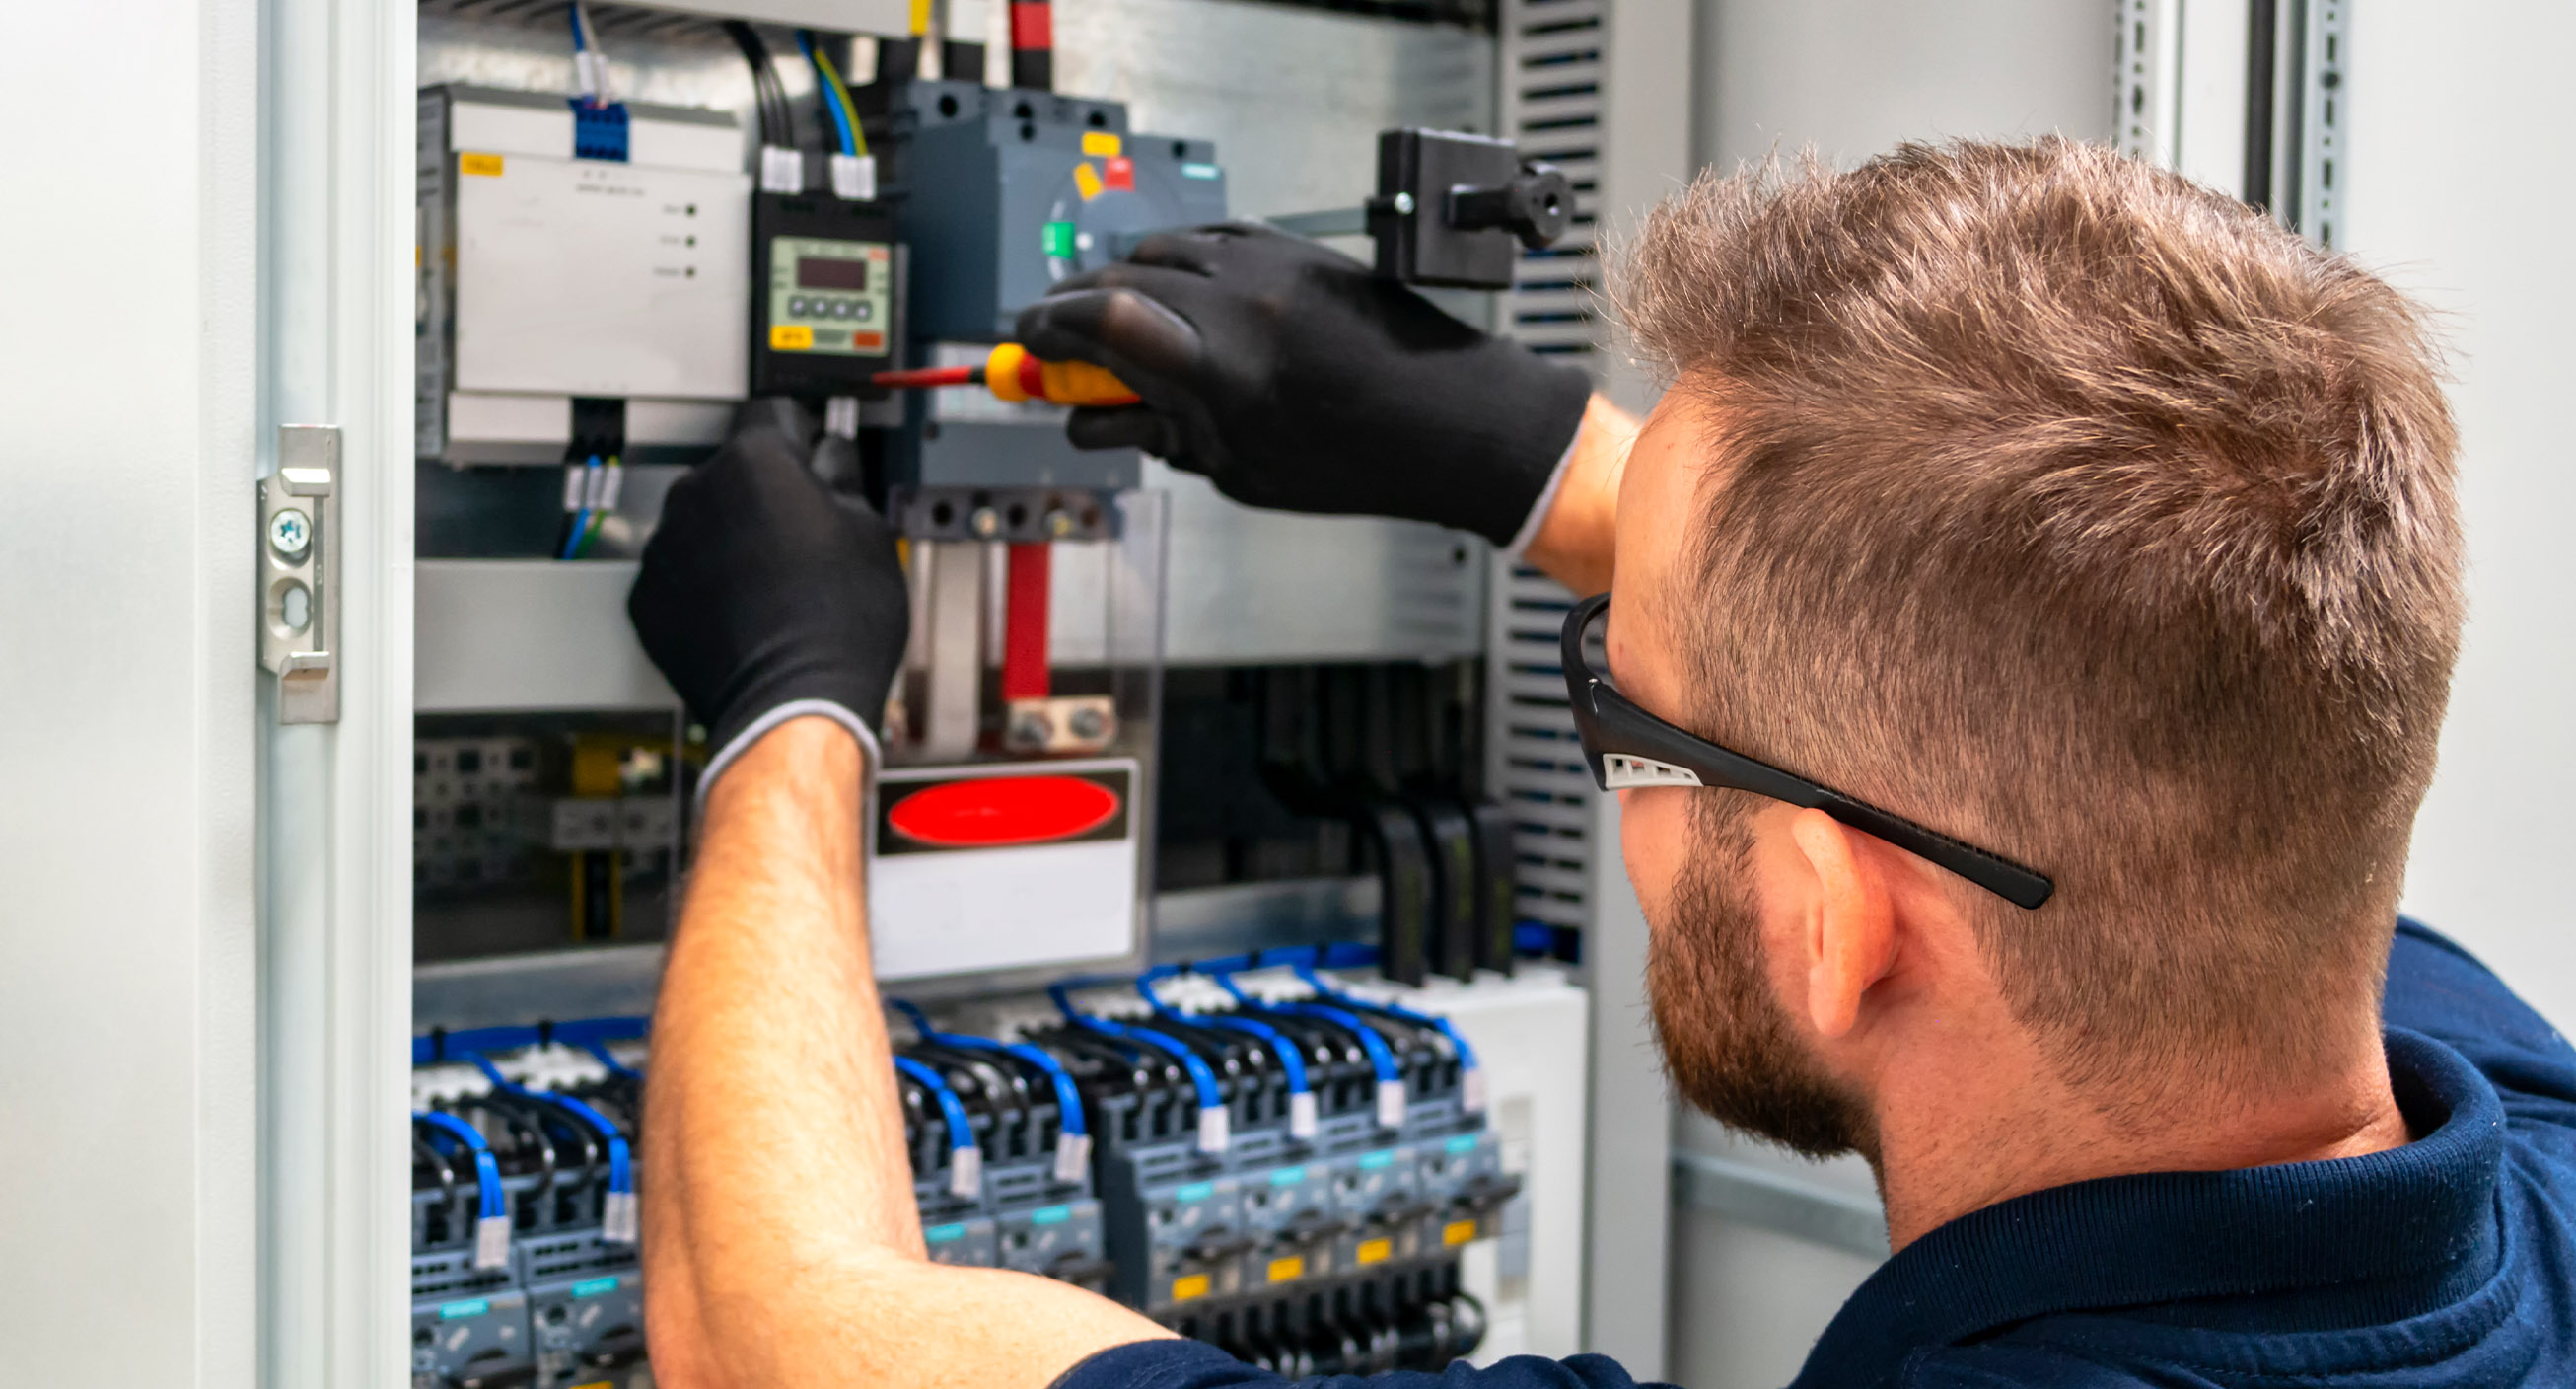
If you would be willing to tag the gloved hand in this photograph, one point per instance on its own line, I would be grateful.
(1293, 377)
(764, 595)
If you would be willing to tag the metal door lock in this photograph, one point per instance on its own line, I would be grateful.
(299, 573)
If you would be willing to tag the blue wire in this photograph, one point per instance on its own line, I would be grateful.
(621, 1159)
(1466, 1053)
(572, 14)
(1068, 1096)
(1380, 1058)
(487, 1171)
(1290, 1060)
(961, 1130)
(1210, 1097)
(615, 1067)
(823, 87)
(581, 518)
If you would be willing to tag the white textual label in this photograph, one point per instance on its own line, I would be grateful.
(1072, 1156)
(1214, 1132)
(611, 482)
(573, 486)
(1301, 1115)
(618, 1222)
(1471, 1086)
(966, 1171)
(781, 170)
(1390, 1104)
(854, 176)
(492, 1242)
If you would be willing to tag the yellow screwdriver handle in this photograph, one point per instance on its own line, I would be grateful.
(1012, 374)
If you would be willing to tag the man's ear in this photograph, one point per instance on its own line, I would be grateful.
(1851, 935)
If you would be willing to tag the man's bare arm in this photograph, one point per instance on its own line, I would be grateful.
(781, 1241)
(1573, 540)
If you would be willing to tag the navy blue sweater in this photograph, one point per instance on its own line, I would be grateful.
(2449, 1263)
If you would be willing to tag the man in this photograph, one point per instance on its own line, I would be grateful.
(2089, 537)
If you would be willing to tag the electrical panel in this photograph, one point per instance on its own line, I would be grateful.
(1287, 1161)
(1288, 1148)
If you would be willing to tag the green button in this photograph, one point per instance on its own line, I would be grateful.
(1059, 240)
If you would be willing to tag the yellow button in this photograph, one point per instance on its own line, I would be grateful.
(1284, 1270)
(1100, 144)
(487, 165)
(1375, 1251)
(790, 337)
(1086, 180)
(1457, 1232)
(1183, 1289)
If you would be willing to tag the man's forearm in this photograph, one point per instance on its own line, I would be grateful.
(774, 1138)
(1573, 541)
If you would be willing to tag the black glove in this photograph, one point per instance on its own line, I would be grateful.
(1294, 377)
(763, 594)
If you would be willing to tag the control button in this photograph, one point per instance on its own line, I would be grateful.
(863, 311)
(796, 305)
(844, 308)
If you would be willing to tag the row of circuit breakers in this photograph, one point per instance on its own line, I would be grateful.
(1267, 1162)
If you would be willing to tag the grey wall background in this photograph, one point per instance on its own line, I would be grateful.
(1852, 78)
(2449, 198)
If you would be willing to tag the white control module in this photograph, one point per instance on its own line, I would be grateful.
(546, 276)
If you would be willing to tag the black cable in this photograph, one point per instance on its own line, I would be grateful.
(768, 93)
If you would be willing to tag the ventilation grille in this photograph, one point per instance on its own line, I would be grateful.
(1550, 69)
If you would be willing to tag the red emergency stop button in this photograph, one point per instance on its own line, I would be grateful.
(988, 812)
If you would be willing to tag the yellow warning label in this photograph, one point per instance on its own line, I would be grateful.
(1100, 144)
(488, 165)
(1184, 1289)
(596, 1384)
(1292, 1267)
(790, 337)
(1086, 177)
(1375, 1251)
(1457, 1232)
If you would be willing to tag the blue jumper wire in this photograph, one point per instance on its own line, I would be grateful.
(619, 1221)
(492, 1210)
(1072, 1139)
(1390, 1077)
(1214, 1135)
(965, 1157)
(1303, 1122)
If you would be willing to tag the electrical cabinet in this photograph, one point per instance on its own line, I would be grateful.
(495, 831)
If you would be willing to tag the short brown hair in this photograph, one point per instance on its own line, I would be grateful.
(2093, 518)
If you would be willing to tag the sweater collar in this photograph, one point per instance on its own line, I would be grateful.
(2164, 1237)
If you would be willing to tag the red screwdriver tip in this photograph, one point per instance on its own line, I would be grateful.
(928, 376)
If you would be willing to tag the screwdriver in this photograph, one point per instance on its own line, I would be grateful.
(1010, 373)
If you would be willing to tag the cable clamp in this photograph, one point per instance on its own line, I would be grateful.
(781, 170)
(854, 177)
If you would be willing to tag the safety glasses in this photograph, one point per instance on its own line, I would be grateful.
(1629, 747)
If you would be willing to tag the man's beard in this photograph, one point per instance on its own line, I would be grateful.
(1728, 1045)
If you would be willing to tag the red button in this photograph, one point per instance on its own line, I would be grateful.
(986, 812)
(1119, 173)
